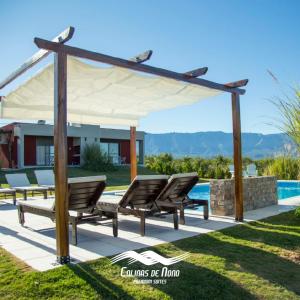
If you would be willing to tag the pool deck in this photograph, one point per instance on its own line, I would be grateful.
(35, 243)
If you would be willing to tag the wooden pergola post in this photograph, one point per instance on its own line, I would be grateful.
(60, 157)
(237, 154)
(133, 162)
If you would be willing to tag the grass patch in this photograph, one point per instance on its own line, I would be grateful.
(259, 260)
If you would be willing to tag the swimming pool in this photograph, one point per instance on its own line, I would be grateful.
(285, 189)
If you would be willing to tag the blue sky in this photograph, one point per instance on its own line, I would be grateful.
(234, 39)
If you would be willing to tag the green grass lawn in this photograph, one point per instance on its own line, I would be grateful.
(117, 179)
(260, 260)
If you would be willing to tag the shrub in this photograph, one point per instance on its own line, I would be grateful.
(297, 212)
(95, 160)
(206, 168)
(162, 163)
(285, 167)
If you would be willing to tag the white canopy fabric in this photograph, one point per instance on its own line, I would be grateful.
(100, 95)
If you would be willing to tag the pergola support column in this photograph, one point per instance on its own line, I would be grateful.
(237, 153)
(133, 162)
(60, 157)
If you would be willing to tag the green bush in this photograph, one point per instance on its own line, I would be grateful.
(95, 160)
(206, 168)
(297, 212)
(286, 168)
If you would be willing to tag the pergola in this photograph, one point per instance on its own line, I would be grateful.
(118, 95)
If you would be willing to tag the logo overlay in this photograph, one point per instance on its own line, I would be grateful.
(149, 258)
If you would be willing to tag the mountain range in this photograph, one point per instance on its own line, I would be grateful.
(209, 144)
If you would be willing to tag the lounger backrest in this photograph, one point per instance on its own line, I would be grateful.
(17, 180)
(84, 192)
(44, 177)
(179, 185)
(143, 191)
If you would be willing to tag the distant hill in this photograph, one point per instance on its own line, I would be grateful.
(208, 144)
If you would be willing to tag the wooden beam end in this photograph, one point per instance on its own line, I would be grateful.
(142, 57)
(66, 35)
(196, 73)
(237, 84)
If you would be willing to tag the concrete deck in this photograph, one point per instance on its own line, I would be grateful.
(35, 243)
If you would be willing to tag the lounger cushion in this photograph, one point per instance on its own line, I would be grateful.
(181, 175)
(7, 190)
(17, 179)
(109, 203)
(44, 177)
(86, 179)
(47, 186)
(45, 204)
(150, 177)
(30, 188)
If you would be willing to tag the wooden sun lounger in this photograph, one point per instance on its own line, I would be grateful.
(84, 193)
(175, 194)
(8, 191)
(20, 183)
(45, 178)
(138, 200)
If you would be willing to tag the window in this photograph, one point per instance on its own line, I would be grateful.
(104, 147)
(112, 150)
(44, 151)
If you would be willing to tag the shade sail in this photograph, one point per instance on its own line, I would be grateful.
(100, 95)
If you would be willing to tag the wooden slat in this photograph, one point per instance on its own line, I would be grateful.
(78, 52)
(237, 157)
(83, 185)
(196, 73)
(33, 60)
(133, 162)
(82, 196)
(237, 84)
(75, 206)
(142, 57)
(60, 157)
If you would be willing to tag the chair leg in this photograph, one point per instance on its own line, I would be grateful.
(25, 195)
(45, 194)
(14, 198)
(115, 225)
(143, 221)
(175, 218)
(205, 211)
(21, 215)
(74, 233)
(182, 218)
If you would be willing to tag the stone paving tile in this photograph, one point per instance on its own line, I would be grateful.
(35, 243)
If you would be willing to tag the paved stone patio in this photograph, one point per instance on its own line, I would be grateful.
(35, 243)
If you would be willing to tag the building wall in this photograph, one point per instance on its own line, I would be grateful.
(4, 154)
(125, 150)
(258, 192)
(29, 150)
(83, 135)
(4, 149)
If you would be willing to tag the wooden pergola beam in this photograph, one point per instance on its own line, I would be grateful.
(103, 58)
(196, 73)
(237, 157)
(133, 160)
(37, 57)
(61, 158)
(237, 84)
(142, 57)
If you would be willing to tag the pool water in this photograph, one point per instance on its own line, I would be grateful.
(285, 189)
